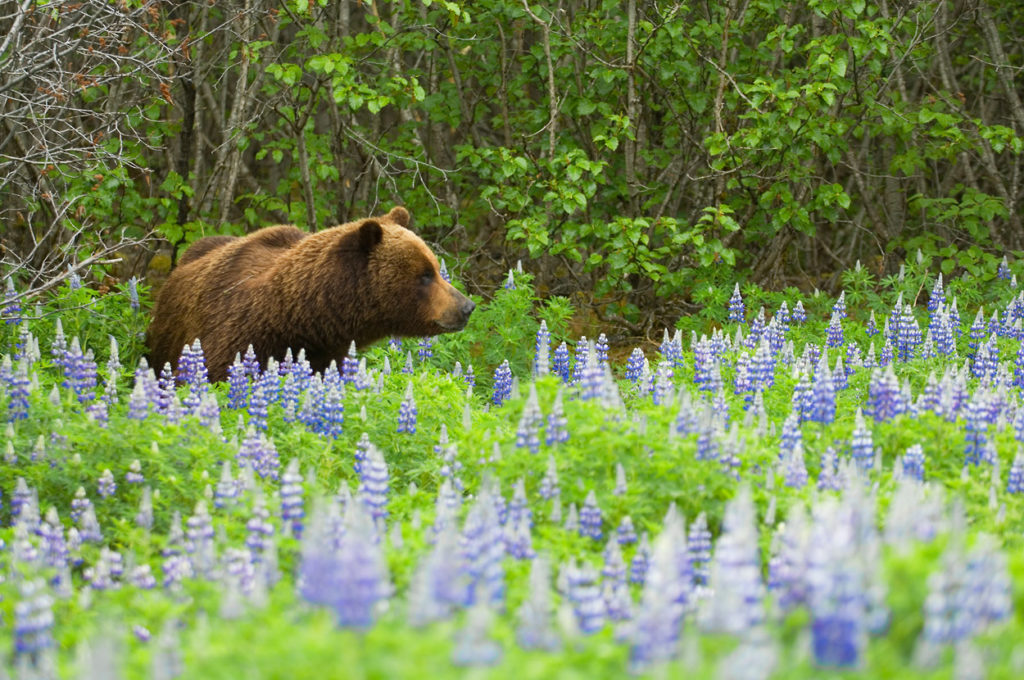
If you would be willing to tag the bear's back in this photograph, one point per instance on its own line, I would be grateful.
(211, 287)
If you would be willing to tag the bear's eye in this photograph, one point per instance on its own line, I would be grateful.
(427, 278)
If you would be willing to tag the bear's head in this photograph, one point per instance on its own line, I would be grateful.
(404, 287)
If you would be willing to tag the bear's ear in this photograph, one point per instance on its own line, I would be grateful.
(370, 235)
(399, 215)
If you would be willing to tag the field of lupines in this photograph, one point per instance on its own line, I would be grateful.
(792, 492)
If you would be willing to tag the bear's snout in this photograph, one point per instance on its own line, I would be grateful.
(457, 314)
(467, 308)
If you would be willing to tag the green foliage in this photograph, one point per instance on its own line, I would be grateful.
(60, 448)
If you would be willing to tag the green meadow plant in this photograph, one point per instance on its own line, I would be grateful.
(767, 495)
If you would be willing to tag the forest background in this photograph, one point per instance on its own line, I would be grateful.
(642, 155)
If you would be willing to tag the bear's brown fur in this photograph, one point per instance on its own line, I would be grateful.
(281, 288)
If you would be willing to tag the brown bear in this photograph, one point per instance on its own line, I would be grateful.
(281, 288)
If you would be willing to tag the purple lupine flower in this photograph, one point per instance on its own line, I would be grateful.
(483, 547)
(829, 479)
(839, 375)
(549, 484)
(362, 448)
(80, 372)
(425, 348)
(614, 590)
(699, 547)
(737, 310)
(163, 392)
(762, 368)
(469, 377)
(259, 529)
(258, 408)
(788, 566)
(986, 361)
(144, 516)
(937, 299)
(913, 463)
(238, 384)
(640, 563)
(783, 316)
(542, 350)
(502, 383)
(839, 308)
(799, 315)
(331, 420)
(975, 430)
(658, 623)
(823, 394)
(528, 430)
(582, 357)
(259, 453)
(590, 518)
(292, 505)
(17, 393)
(885, 358)
(585, 596)
(590, 378)
(601, 348)
(437, 586)
(1015, 484)
(11, 311)
(709, 431)
(625, 533)
(671, 349)
(795, 468)
(450, 466)
(407, 411)
(79, 504)
(885, 401)
(862, 448)
(106, 572)
(908, 334)
(52, 546)
(872, 326)
(199, 540)
(227, 490)
(134, 474)
(557, 429)
(374, 484)
(1003, 272)
(141, 576)
(133, 295)
(250, 363)
(535, 630)
(560, 363)
(735, 571)
(443, 269)
(350, 364)
(977, 332)
(510, 282)
(635, 364)
(33, 621)
(757, 329)
(801, 401)
(518, 508)
(518, 539)
(59, 348)
(835, 331)
(209, 413)
(349, 574)
(837, 599)
(664, 389)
